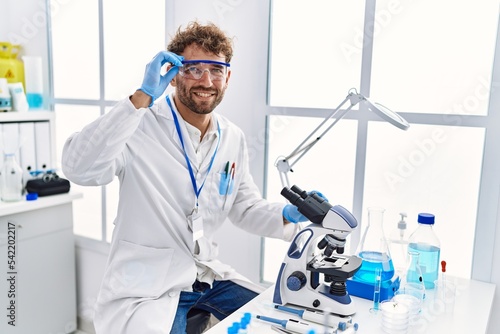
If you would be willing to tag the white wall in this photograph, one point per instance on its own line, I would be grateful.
(245, 104)
(4, 20)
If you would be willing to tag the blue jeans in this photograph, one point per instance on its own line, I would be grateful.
(221, 300)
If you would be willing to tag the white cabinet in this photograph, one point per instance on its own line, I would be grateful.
(37, 250)
(37, 266)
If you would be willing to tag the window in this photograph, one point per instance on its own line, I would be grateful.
(441, 67)
(99, 62)
(426, 65)
(310, 50)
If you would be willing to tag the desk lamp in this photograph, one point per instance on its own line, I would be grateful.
(285, 164)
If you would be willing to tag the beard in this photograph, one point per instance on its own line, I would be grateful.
(204, 107)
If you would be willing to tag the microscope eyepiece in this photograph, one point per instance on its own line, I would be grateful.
(300, 192)
(291, 196)
(318, 198)
(312, 206)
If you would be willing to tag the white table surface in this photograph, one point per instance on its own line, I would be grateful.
(471, 313)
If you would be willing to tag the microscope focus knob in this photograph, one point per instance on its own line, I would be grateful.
(296, 281)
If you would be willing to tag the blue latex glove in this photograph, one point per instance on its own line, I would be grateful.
(154, 84)
(292, 214)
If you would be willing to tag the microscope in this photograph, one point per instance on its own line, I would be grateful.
(314, 272)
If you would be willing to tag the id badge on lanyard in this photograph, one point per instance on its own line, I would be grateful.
(195, 220)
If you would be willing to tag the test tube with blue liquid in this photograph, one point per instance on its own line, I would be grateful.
(376, 290)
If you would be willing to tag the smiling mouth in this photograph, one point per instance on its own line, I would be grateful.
(204, 94)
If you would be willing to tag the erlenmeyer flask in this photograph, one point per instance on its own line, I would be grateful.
(412, 288)
(413, 271)
(374, 249)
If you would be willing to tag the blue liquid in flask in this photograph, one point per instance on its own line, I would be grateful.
(370, 262)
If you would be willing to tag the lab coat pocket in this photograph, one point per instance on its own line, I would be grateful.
(225, 184)
(221, 197)
(137, 271)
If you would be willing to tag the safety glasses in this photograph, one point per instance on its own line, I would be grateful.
(50, 176)
(194, 69)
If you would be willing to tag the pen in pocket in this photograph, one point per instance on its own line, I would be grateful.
(230, 184)
(224, 180)
(231, 181)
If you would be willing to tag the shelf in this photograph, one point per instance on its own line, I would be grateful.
(28, 116)
(10, 208)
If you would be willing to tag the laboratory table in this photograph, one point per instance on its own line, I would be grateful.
(470, 314)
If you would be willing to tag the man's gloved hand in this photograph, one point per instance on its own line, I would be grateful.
(154, 84)
(292, 214)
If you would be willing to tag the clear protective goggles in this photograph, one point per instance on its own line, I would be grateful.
(194, 69)
(50, 176)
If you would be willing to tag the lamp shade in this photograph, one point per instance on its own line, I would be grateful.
(386, 114)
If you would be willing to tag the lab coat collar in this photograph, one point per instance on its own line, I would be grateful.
(162, 109)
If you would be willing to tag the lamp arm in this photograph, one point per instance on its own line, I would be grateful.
(283, 163)
(300, 148)
(303, 148)
(306, 148)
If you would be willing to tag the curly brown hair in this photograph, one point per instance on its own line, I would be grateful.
(209, 37)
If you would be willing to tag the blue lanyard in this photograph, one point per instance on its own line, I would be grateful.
(190, 168)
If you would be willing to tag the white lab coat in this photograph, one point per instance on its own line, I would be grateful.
(153, 256)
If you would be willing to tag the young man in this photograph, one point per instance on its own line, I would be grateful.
(183, 170)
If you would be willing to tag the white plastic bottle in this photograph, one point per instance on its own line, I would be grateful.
(11, 180)
(398, 245)
(34, 81)
(425, 241)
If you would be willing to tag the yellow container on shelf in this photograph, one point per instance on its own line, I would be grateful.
(11, 68)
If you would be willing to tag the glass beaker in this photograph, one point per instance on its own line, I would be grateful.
(374, 249)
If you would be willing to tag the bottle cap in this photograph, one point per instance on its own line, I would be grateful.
(31, 196)
(426, 218)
